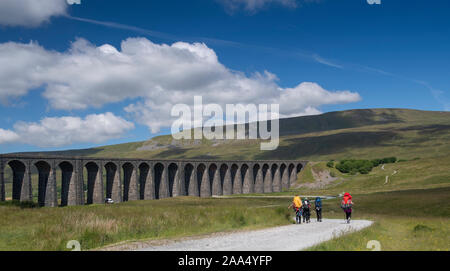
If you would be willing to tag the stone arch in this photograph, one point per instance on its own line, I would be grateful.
(258, 178)
(130, 183)
(67, 194)
(236, 178)
(292, 174)
(190, 182)
(203, 181)
(297, 170)
(226, 179)
(161, 179)
(247, 177)
(215, 180)
(146, 182)
(173, 180)
(21, 180)
(113, 183)
(276, 178)
(94, 183)
(267, 177)
(45, 183)
(284, 177)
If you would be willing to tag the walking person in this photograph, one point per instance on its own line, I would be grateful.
(346, 205)
(297, 206)
(318, 207)
(306, 211)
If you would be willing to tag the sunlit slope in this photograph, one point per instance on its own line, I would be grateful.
(365, 133)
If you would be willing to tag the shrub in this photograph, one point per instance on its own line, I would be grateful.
(362, 166)
(376, 162)
(389, 160)
(330, 164)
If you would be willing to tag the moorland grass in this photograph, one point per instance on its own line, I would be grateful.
(404, 220)
(99, 225)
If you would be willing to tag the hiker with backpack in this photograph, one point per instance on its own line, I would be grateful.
(346, 205)
(318, 207)
(306, 211)
(297, 206)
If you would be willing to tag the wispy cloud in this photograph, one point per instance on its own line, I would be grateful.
(297, 53)
(438, 95)
(327, 62)
(253, 6)
(143, 31)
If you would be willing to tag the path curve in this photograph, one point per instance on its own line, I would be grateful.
(284, 238)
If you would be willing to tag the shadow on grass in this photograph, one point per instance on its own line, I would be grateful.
(322, 145)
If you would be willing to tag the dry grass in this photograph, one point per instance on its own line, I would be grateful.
(99, 225)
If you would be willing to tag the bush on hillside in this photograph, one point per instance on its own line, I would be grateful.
(389, 160)
(362, 166)
(330, 164)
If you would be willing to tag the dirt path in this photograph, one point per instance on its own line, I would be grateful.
(288, 238)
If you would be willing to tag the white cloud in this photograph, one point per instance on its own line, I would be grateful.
(62, 131)
(158, 76)
(30, 13)
(7, 136)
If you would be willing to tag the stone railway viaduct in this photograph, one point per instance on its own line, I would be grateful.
(86, 180)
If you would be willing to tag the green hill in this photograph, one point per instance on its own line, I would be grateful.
(363, 133)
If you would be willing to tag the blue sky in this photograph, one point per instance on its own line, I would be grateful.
(355, 55)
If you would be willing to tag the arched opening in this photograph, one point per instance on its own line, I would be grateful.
(189, 182)
(17, 177)
(284, 177)
(173, 182)
(65, 192)
(292, 174)
(130, 185)
(258, 179)
(276, 179)
(225, 178)
(298, 168)
(146, 189)
(159, 170)
(44, 191)
(236, 179)
(247, 179)
(214, 180)
(203, 181)
(94, 187)
(267, 177)
(273, 170)
(112, 190)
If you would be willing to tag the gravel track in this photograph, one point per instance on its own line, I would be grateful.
(283, 238)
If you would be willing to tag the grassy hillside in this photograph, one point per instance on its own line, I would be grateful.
(368, 133)
(424, 173)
